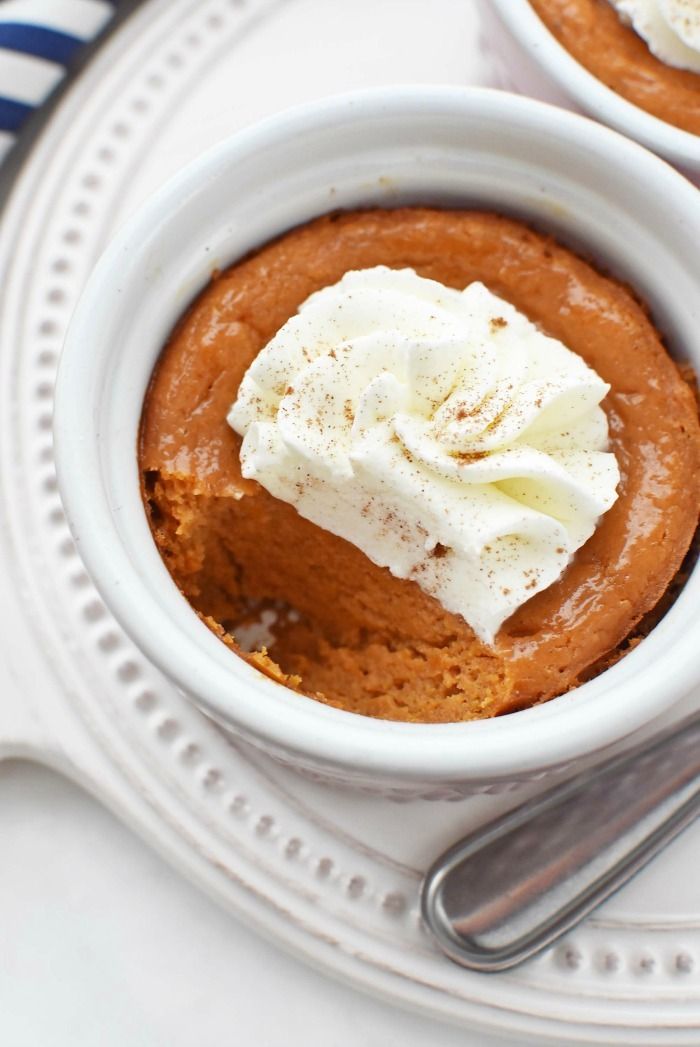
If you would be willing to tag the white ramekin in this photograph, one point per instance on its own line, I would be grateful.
(443, 146)
(533, 61)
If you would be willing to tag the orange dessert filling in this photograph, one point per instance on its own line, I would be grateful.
(310, 609)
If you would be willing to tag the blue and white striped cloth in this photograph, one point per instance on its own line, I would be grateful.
(38, 41)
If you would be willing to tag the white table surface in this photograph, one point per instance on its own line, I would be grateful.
(103, 945)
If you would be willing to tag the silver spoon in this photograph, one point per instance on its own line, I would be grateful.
(517, 884)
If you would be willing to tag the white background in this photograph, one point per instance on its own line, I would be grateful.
(103, 945)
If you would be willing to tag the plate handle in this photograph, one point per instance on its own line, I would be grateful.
(24, 733)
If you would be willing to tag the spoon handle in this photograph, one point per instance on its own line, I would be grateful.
(515, 885)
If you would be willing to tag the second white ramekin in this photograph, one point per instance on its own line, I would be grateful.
(533, 61)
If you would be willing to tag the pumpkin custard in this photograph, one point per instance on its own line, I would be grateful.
(604, 42)
(328, 621)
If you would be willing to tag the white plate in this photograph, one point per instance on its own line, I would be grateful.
(330, 875)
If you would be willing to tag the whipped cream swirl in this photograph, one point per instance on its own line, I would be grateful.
(670, 28)
(437, 430)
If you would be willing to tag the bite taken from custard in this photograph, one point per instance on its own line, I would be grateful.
(460, 467)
